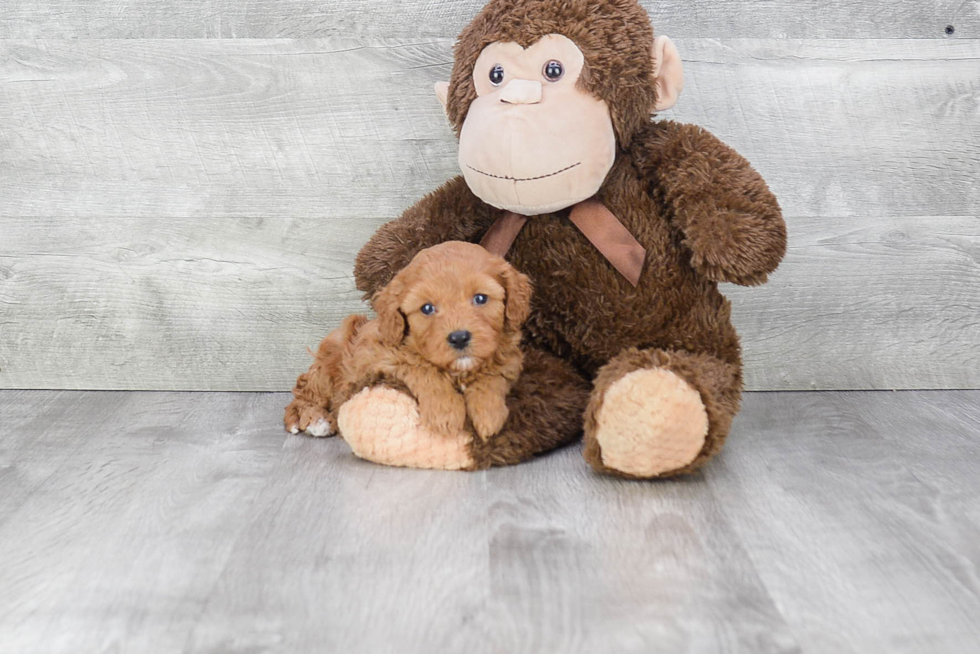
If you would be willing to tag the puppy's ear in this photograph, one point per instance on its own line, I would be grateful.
(391, 321)
(518, 300)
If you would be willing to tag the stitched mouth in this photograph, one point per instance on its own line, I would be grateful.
(524, 179)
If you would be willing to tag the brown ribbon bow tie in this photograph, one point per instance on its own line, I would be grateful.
(595, 221)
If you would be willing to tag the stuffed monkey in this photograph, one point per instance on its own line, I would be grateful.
(624, 224)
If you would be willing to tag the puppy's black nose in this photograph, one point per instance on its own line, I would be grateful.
(460, 339)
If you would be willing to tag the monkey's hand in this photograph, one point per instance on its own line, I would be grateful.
(731, 222)
(450, 213)
(733, 242)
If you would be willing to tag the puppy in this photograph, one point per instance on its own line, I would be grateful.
(448, 330)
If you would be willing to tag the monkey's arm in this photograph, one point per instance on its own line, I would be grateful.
(450, 213)
(731, 222)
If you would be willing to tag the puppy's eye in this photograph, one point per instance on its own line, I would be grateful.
(428, 309)
(480, 298)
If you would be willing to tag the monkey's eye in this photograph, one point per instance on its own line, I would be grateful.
(480, 298)
(497, 75)
(428, 309)
(553, 70)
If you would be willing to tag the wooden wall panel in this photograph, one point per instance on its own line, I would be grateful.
(424, 18)
(338, 128)
(183, 214)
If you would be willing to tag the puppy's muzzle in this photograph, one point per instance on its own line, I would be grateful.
(460, 339)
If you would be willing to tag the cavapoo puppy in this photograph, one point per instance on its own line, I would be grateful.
(448, 330)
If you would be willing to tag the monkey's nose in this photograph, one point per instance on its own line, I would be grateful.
(460, 339)
(521, 91)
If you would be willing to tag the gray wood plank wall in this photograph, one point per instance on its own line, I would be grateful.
(180, 208)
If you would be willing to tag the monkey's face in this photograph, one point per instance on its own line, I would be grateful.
(533, 141)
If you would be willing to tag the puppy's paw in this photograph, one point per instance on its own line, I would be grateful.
(321, 428)
(292, 420)
(444, 418)
(314, 420)
(489, 420)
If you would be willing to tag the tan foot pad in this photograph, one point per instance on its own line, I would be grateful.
(382, 425)
(651, 422)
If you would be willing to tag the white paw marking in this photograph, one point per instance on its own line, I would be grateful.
(319, 428)
(294, 429)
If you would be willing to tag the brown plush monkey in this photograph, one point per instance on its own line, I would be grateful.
(625, 226)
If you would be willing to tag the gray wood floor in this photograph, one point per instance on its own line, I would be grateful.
(168, 522)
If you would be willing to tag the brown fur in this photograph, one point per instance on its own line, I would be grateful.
(697, 207)
(546, 408)
(318, 393)
(410, 349)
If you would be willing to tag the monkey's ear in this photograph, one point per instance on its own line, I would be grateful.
(442, 92)
(668, 73)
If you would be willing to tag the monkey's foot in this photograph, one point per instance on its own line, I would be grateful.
(650, 423)
(383, 425)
